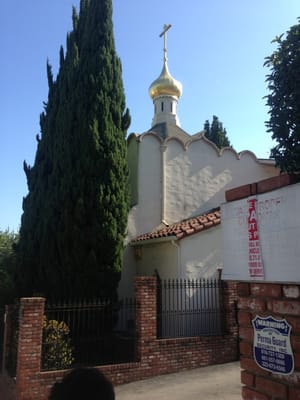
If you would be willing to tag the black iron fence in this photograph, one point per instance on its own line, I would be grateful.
(96, 332)
(187, 308)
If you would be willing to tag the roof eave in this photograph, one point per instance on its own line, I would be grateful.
(154, 240)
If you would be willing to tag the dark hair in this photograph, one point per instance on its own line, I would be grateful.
(83, 383)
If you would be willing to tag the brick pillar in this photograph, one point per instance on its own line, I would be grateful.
(281, 301)
(145, 292)
(230, 307)
(29, 347)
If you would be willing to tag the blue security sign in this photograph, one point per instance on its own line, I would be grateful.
(272, 346)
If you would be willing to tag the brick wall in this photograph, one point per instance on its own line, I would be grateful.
(29, 347)
(154, 356)
(280, 301)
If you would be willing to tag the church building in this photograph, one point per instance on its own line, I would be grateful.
(178, 182)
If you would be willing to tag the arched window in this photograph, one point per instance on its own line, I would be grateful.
(162, 106)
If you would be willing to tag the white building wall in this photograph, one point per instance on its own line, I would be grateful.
(201, 255)
(162, 257)
(147, 213)
(194, 257)
(197, 177)
(278, 224)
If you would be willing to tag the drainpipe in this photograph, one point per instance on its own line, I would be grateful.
(173, 242)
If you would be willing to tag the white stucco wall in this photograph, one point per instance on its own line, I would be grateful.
(147, 213)
(196, 256)
(197, 177)
(201, 254)
(278, 226)
(163, 257)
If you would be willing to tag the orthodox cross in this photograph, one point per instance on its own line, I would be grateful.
(164, 34)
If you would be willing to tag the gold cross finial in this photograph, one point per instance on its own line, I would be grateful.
(164, 34)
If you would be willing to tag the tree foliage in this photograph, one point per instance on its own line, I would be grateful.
(284, 100)
(75, 214)
(216, 133)
(8, 241)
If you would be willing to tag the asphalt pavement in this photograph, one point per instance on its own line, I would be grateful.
(216, 382)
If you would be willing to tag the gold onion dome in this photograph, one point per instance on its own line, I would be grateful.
(165, 85)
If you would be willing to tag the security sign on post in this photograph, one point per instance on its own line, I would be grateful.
(272, 347)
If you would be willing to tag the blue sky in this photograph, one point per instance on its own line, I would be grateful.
(216, 49)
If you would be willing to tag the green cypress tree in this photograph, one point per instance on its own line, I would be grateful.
(216, 133)
(75, 214)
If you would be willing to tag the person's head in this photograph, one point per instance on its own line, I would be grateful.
(83, 384)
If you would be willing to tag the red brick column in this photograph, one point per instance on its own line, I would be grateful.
(145, 291)
(29, 347)
(280, 301)
(230, 307)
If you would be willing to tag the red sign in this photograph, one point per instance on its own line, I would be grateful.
(255, 263)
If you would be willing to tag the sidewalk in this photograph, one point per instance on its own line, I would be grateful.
(217, 382)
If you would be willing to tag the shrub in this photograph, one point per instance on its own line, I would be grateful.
(57, 348)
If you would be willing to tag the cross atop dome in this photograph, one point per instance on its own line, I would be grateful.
(164, 34)
(165, 91)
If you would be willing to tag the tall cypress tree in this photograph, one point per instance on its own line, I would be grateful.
(75, 214)
(216, 133)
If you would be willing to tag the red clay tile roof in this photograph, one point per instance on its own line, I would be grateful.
(184, 228)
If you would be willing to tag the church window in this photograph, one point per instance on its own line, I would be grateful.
(162, 106)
